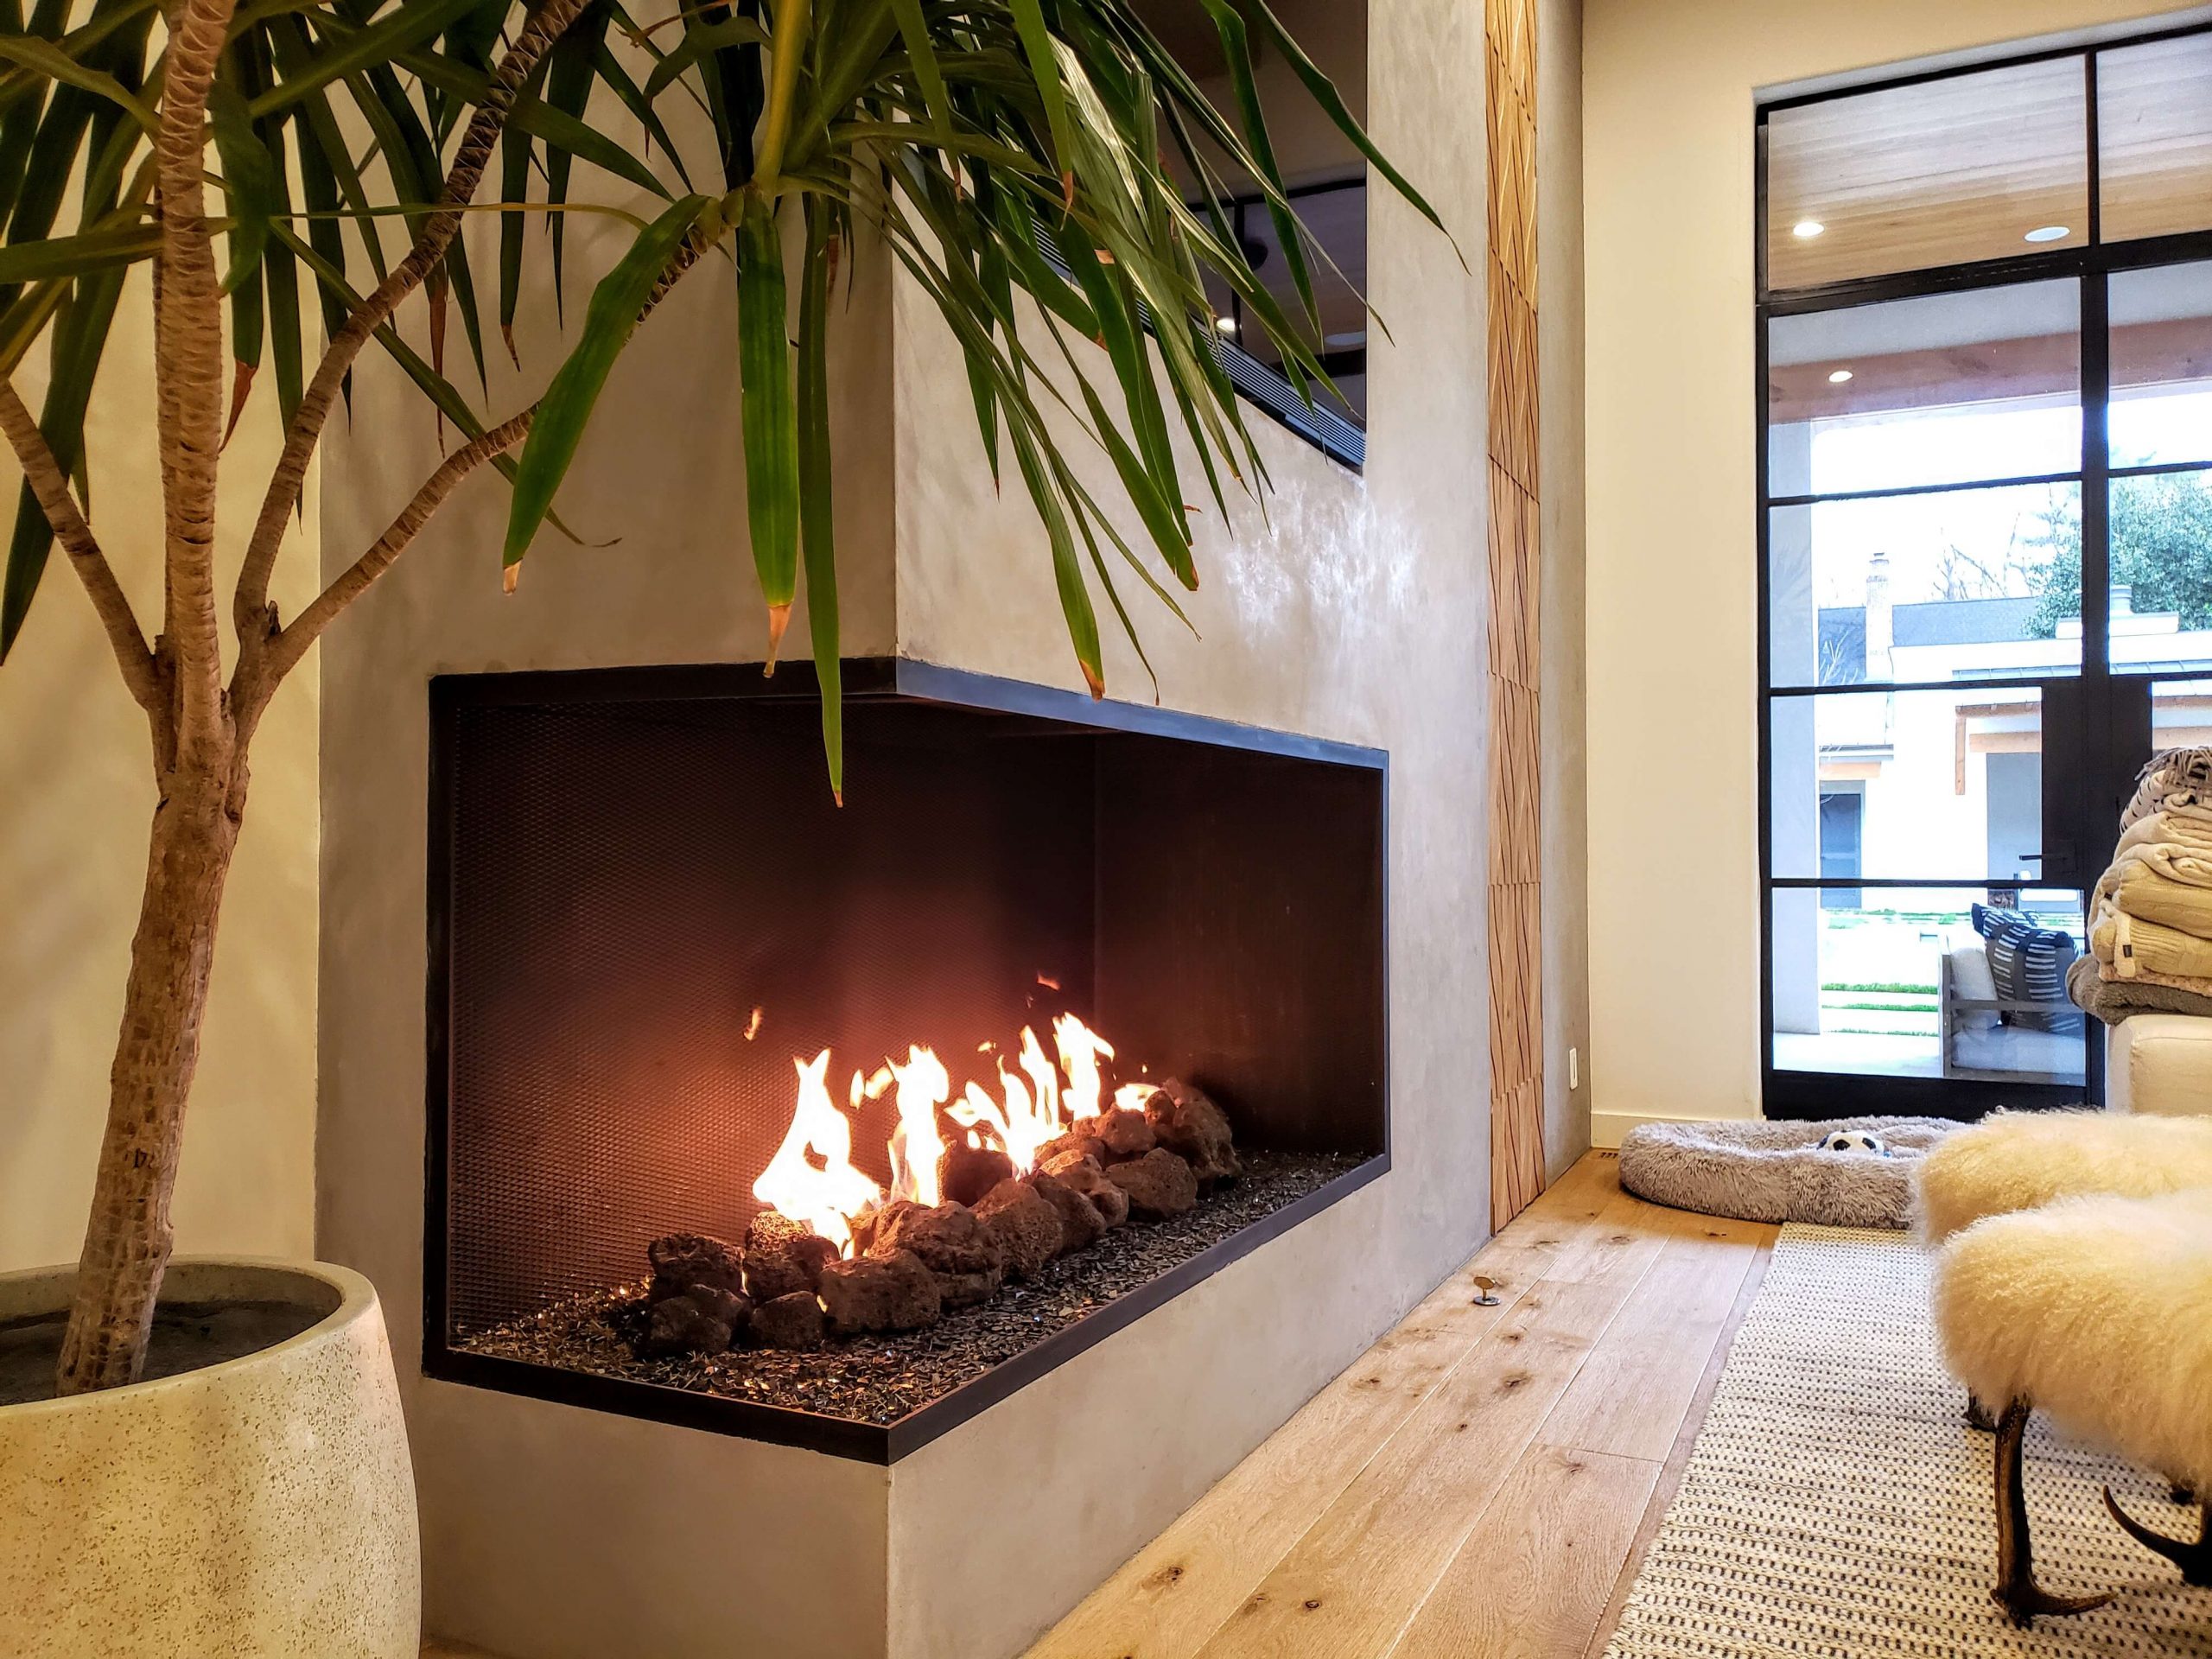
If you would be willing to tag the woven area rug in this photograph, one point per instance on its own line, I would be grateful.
(1836, 1503)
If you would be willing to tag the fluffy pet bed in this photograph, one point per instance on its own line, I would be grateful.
(1777, 1172)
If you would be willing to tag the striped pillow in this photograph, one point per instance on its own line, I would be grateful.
(2029, 964)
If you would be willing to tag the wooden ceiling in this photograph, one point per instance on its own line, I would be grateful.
(1954, 171)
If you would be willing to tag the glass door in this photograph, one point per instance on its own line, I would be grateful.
(1985, 555)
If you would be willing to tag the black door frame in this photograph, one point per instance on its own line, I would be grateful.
(2096, 724)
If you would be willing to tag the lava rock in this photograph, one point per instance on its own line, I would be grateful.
(1077, 1142)
(794, 1321)
(1084, 1175)
(682, 1260)
(1026, 1228)
(1191, 1125)
(1125, 1132)
(965, 1173)
(703, 1318)
(968, 1263)
(890, 1292)
(1159, 1185)
(1081, 1225)
(782, 1258)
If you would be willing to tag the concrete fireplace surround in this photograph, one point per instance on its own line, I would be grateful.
(1355, 611)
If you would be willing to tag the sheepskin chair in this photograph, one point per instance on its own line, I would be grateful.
(2097, 1311)
(2019, 1160)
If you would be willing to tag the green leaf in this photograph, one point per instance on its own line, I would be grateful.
(47, 59)
(355, 50)
(1044, 65)
(567, 90)
(817, 517)
(699, 41)
(250, 181)
(79, 343)
(763, 361)
(1324, 92)
(1067, 574)
(78, 255)
(1237, 48)
(609, 321)
(914, 31)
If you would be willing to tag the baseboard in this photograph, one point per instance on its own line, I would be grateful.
(1606, 1129)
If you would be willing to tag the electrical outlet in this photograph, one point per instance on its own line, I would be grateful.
(1573, 1069)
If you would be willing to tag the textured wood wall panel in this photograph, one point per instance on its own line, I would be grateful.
(1516, 1014)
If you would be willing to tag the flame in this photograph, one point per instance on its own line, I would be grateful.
(1043, 1079)
(1131, 1096)
(924, 1085)
(812, 1178)
(1081, 1049)
(822, 1197)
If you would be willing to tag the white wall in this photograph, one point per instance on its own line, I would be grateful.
(1667, 95)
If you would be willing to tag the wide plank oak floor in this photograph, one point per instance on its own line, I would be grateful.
(1483, 1482)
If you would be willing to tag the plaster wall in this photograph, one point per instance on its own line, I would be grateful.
(78, 777)
(1668, 96)
(551, 1532)
(1353, 610)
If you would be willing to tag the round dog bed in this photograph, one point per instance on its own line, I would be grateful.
(1778, 1172)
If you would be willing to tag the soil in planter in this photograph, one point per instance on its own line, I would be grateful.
(188, 1337)
(880, 1379)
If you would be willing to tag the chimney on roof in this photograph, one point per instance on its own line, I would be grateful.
(1879, 625)
(2123, 601)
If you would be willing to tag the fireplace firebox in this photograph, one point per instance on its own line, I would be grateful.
(657, 944)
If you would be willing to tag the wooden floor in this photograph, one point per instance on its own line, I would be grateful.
(1482, 1483)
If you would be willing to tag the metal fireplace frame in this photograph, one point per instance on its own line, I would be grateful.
(864, 679)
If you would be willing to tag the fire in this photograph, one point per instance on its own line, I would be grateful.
(822, 1197)
(1081, 1049)
(812, 1177)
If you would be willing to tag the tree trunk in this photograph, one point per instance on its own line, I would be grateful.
(127, 1243)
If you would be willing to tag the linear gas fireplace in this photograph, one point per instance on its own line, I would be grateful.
(834, 1125)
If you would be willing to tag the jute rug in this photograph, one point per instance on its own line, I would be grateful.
(1836, 1503)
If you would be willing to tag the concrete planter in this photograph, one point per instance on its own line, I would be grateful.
(264, 1506)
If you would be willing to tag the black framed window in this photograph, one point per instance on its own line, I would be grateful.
(1985, 539)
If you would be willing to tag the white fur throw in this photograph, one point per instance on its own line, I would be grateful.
(1777, 1172)
(2017, 1161)
(2098, 1310)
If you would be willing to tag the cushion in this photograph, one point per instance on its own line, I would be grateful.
(2159, 1064)
(1972, 981)
(2029, 964)
(1763, 1171)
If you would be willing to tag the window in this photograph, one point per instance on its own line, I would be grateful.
(1326, 183)
(1985, 319)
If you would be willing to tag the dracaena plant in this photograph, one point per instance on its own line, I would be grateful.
(269, 158)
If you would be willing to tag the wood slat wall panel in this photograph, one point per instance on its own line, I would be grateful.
(1517, 1023)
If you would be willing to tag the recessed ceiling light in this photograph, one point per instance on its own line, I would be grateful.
(1346, 341)
(1227, 325)
(1806, 229)
(1839, 377)
(2047, 233)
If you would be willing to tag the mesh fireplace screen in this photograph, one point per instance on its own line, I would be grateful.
(645, 905)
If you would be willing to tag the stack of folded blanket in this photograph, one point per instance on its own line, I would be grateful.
(2151, 918)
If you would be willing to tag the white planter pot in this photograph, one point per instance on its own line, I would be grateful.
(264, 1506)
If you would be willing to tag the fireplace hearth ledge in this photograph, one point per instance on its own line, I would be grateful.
(573, 1534)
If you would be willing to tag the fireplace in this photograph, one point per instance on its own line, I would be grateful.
(670, 978)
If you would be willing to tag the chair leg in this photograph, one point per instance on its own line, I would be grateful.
(2195, 1559)
(2017, 1590)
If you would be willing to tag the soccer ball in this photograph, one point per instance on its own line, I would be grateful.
(1854, 1141)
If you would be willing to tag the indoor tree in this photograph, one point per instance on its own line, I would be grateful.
(1032, 164)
